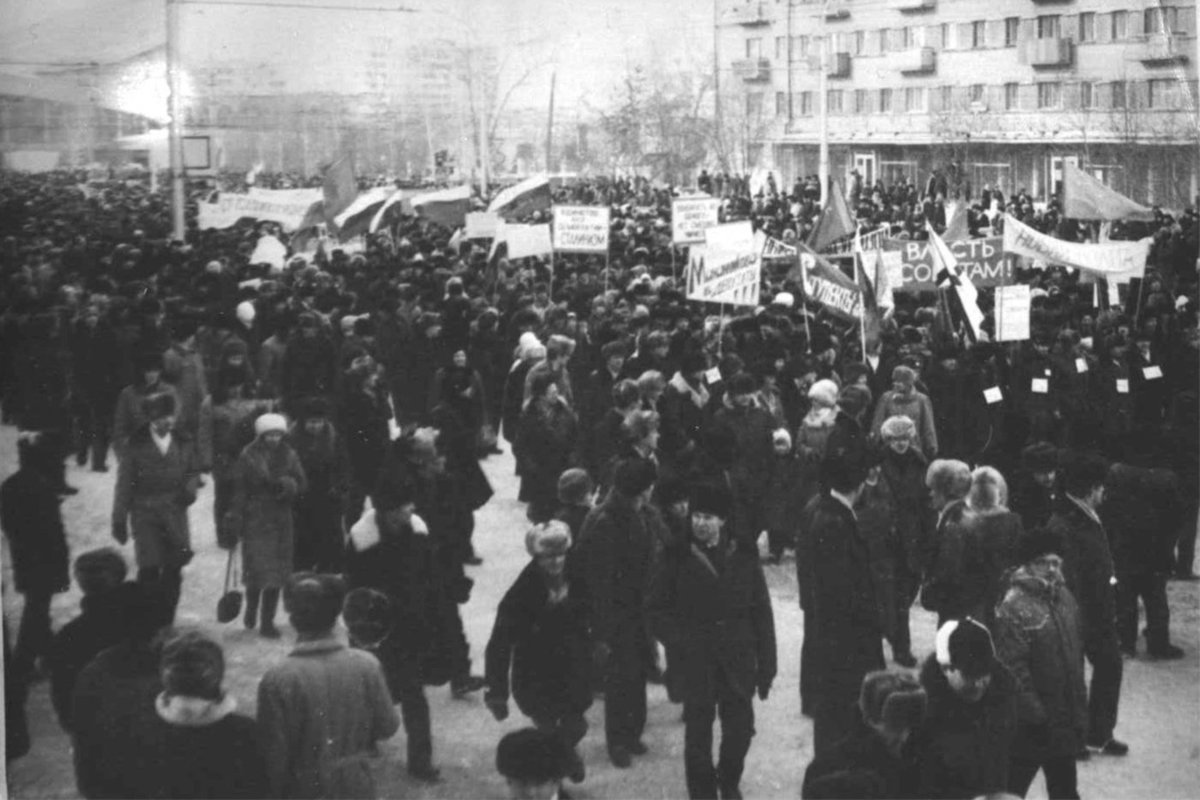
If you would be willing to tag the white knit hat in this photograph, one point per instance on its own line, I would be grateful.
(246, 312)
(824, 392)
(270, 422)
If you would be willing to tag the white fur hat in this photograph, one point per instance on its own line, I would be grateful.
(246, 312)
(270, 422)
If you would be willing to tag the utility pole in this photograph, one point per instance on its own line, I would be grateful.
(174, 137)
(823, 107)
(717, 72)
(550, 121)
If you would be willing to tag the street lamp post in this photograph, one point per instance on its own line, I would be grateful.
(174, 137)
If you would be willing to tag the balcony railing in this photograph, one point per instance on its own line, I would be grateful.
(750, 14)
(1164, 48)
(915, 61)
(1049, 53)
(912, 6)
(837, 9)
(752, 69)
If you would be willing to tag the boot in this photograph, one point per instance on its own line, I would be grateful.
(270, 602)
(251, 615)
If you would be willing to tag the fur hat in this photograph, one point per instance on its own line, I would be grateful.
(633, 476)
(548, 538)
(824, 393)
(1040, 457)
(950, 477)
(160, 405)
(898, 427)
(781, 436)
(784, 299)
(368, 616)
(893, 699)
(314, 601)
(671, 490)
(192, 665)
(246, 312)
(854, 399)
(711, 499)
(966, 645)
(267, 423)
(1082, 472)
(904, 375)
(533, 756)
(613, 349)
(1039, 542)
(100, 569)
(574, 485)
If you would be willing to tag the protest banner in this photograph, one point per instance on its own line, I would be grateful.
(1105, 259)
(691, 217)
(269, 250)
(581, 229)
(482, 225)
(775, 250)
(728, 269)
(285, 207)
(984, 260)
(528, 240)
(827, 285)
(1013, 304)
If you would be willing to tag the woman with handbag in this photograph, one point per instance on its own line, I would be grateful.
(268, 478)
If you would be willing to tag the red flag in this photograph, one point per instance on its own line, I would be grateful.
(835, 221)
(1085, 197)
(519, 201)
(339, 186)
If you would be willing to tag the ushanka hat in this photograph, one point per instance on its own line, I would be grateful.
(892, 699)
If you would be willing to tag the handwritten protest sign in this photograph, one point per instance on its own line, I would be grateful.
(728, 268)
(691, 217)
(984, 260)
(1012, 313)
(581, 229)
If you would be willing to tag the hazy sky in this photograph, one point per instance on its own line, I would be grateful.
(588, 43)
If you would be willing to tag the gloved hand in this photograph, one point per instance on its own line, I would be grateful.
(497, 705)
(120, 531)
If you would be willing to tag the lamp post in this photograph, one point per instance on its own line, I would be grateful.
(174, 137)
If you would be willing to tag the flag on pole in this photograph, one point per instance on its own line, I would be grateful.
(949, 274)
(401, 196)
(356, 217)
(866, 272)
(338, 186)
(834, 223)
(521, 200)
(447, 207)
(956, 225)
(1086, 197)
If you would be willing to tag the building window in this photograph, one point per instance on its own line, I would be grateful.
(1010, 97)
(1120, 25)
(1012, 30)
(1155, 21)
(1049, 95)
(781, 104)
(806, 104)
(914, 99)
(754, 105)
(945, 38)
(906, 38)
(833, 101)
(799, 48)
(885, 101)
(1118, 94)
(780, 48)
(1087, 27)
(976, 93)
(753, 48)
(860, 101)
(1163, 93)
(884, 36)
(1086, 95)
(947, 97)
(1049, 26)
(978, 35)
(860, 42)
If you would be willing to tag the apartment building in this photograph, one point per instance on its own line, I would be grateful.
(997, 92)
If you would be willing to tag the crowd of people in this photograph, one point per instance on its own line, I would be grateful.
(340, 407)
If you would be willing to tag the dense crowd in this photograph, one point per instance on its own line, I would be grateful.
(340, 406)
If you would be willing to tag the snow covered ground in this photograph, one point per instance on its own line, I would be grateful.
(1160, 702)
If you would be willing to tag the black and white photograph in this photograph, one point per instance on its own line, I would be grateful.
(541, 399)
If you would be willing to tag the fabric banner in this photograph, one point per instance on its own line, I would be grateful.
(446, 207)
(954, 276)
(402, 196)
(824, 283)
(983, 259)
(775, 250)
(338, 186)
(581, 229)
(1086, 197)
(1013, 304)
(528, 240)
(1106, 259)
(515, 202)
(835, 221)
(691, 217)
(269, 250)
(289, 211)
(481, 225)
(728, 269)
(364, 206)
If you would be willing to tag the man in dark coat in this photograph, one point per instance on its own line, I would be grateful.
(963, 743)
(615, 550)
(752, 428)
(709, 603)
(94, 387)
(1091, 576)
(842, 627)
(32, 521)
(1036, 491)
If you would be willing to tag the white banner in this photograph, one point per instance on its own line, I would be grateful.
(728, 269)
(528, 240)
(1012, 313)
(482, 224)
(1106, 259)
(260, 204)
(581, 229)
(269, 250)
(691, 217)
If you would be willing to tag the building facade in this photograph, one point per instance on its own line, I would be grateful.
(992, 93)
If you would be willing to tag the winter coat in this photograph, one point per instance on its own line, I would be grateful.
(682, 408)
(225, 429)
(113, 722)
(267, 481)
(917, 407)
(1115, 399)
(94, 367)
(615, 552)
(204, 750)
(546, 442)
(32, 521)
(905, 476)
(462, 390)
(813, 435)
(270, 367)
(562, 379)
(154, 491)
(97, 628)
(1141, 512)
(860, 766)
(307, 369)
(848, 440)
(963, 748)
(364, 426)
(713, 610)
(751, 430)
(605, 440)
(1088, 569)
(514, 400)
(1033, 502)
(320, 506)
(130, 415)
(184, 369)
(547, 645)
(989, 550)
(320, 713)
(1039, 638)
(784, 497)
(876, 512)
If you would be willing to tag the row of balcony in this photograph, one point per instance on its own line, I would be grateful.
(754, 14)
(1049, 53)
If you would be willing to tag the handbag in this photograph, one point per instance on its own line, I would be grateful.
(230, 604)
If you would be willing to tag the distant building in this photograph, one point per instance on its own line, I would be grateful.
(991, 93)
